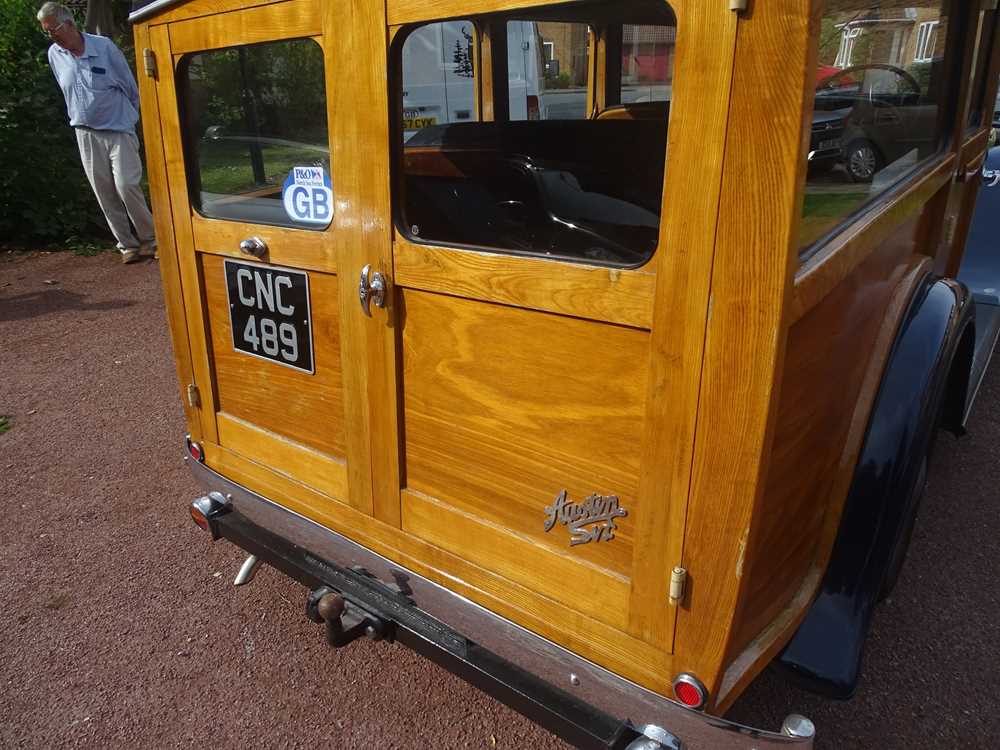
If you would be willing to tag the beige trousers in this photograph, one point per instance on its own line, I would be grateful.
(111, 161)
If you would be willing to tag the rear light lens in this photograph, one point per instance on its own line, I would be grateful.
(533, 111)
(195, 450)
(690, 691)
(206, 510)
(199, 518)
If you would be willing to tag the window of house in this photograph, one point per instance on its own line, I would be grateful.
(926, 42)
(548, 179)
(254, 123)
(880, 104)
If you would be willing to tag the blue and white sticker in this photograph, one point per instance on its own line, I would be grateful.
(308, 195)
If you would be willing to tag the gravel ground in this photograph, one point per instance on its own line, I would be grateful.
(119, 626)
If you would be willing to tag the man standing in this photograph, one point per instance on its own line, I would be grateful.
(102, 101)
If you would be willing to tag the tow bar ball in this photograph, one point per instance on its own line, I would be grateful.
(345, 622)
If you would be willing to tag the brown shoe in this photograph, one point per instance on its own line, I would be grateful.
(146, 247)
(130, 256)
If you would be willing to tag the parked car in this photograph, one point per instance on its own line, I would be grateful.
(868, 116)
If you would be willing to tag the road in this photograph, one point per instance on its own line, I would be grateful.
(119, 626)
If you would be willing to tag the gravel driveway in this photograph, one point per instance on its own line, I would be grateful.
(119, 625)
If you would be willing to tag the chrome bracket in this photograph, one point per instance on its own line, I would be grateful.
(371, 289)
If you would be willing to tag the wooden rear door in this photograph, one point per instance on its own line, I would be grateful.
(245, 98)
(540, 407)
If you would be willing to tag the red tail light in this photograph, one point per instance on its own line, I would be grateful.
(533, 111)
(205, 511)
(195, 450)
(690, 691)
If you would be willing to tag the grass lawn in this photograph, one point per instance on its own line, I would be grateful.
(822, 211)
(226, 166)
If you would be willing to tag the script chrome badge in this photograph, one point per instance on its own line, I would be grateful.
(592, 520)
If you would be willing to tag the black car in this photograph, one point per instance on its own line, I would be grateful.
(868, 116)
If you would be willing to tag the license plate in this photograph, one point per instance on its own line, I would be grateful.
(826, 145)
(416, 123)
(269, 313)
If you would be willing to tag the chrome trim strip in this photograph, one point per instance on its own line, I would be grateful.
(154, 7)
(597, 686)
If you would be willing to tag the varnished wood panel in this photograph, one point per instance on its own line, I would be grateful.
(288, 20)
(755, 256)
(318, 470)
(841, 255)
(298, 248)
(308, 409)
(832, 352)
(173, 292)
(592, 639)
(358, 113)
(198, 8)
(557, 577)
(706, 40)
(180, 216)
(504, 408)
(606, 294)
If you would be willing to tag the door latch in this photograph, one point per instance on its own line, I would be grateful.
(371, 289)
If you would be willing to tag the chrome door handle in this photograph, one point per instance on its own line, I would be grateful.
(371, 290)
(254, 246)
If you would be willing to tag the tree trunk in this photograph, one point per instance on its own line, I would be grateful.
(101, 18)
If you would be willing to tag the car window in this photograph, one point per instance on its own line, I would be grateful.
(880, 104)
(255, 132)
(549, 179)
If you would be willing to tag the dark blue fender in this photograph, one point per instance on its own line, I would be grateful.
(923, 386)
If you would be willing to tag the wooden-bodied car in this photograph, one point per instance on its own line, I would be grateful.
(589, 390)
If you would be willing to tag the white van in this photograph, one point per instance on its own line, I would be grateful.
(438, 81)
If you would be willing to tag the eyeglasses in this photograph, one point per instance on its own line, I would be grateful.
(50, 32)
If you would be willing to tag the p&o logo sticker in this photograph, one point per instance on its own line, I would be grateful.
(307, 195)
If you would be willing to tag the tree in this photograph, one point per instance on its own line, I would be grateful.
(101, 18)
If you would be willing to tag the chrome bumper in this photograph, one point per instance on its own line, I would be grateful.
(582, 679)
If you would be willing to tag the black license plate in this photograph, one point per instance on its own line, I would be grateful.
(269, 313)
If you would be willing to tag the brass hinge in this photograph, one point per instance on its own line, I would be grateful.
(738, 5)
(149, 62)
(194, 398)
(678, 577)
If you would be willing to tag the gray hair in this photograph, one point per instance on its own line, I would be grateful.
(57, 12)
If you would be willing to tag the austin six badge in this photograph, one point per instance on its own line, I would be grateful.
(592, 520)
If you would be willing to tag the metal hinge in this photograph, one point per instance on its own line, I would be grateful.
(194, 398)
(149, 62)
(678, 577)
(738, 5)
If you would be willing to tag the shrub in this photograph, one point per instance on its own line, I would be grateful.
(44, 193)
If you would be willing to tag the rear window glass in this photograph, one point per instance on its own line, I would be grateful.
(880, 104)
(553, 179)
(255, 134)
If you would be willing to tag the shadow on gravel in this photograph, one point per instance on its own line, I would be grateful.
(33, 304)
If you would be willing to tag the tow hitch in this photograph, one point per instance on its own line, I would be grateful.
(345, 621)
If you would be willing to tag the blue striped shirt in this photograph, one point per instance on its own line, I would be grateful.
(99, 87)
